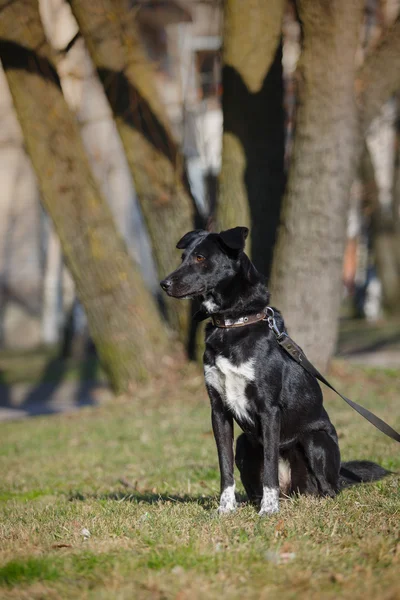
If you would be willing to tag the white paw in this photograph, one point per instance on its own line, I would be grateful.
(269, 511)
(227, 501)
(227, 508)
(269, 502)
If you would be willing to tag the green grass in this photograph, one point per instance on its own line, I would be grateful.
(140, 474)
(28, 570)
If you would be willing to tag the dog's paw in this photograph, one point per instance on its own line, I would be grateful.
(267, 512)
(269, 502)
(227, 501)
(227, 508)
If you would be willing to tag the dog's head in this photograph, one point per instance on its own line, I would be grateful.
(208, 260)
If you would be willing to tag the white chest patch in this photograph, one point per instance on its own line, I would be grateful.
(230, 381)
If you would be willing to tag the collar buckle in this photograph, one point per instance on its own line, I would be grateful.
(272, 323)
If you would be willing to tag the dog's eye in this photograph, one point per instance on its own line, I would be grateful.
(200, 258)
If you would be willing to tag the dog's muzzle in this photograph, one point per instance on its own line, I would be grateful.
(166, 284)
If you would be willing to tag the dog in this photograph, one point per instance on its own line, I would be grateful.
(288, 445)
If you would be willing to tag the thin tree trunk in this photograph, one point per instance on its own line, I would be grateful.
(52, 286)
(308, 257)
(252, 174)
(379, 76)
(386, 236)
(387, 254)
(122, 318)
(377, 80)
(111, 34)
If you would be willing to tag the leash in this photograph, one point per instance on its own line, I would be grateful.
(298, 355)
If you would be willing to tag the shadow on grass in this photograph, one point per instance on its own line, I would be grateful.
(364, 347)
(206, 502)
(62, 385)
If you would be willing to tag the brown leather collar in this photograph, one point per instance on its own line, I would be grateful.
(220, 321)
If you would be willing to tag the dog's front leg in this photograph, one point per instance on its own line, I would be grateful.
(270, 422)
(222, 424)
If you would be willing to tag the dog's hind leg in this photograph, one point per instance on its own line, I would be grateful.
(323, 457)
(302, 479)
(293, 473)
(249, 460)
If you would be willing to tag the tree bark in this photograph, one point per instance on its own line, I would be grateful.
(122, 318)
(379, 76)
(252, 174)
(111, 34)
(52, 285)
(385, 221)
(377, 81)
(308, 257)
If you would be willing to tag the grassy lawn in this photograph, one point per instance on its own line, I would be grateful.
(120, 502)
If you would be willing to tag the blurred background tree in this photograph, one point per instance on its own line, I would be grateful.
(122, 316)
(309, 253)
(154, 158)
(121, 112)
(252, 172)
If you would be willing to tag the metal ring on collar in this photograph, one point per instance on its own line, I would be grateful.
(272, 323)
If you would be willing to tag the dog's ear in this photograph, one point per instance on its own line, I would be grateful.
(235, 238)
(188, 238)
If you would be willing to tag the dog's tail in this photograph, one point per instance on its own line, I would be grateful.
(360, 471)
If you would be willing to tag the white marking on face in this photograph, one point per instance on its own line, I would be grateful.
(227, 501)
(210, 305)
(285, 476)
(270, 501)
(230, 381)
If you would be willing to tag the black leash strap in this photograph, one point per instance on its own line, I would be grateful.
(298, 355)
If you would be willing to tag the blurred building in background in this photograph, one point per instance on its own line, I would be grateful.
(183, 38)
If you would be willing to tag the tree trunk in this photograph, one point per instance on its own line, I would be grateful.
(252, 174)
(379, 76)
(308, 257)
(52, 285)
(386, 236)
(377, 80)
(387, 260)
(111, 34)
(122, 318)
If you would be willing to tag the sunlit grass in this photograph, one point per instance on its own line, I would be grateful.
(140, 475)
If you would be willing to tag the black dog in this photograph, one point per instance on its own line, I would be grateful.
(289, 444)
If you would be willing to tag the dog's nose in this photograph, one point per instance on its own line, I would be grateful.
(166, 284)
